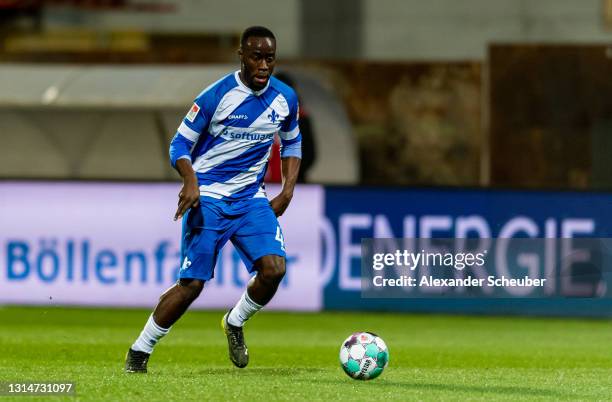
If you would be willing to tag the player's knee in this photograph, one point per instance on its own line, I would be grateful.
(191, 287)
(274, 271)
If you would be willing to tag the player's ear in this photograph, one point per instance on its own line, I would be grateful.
(239, 51)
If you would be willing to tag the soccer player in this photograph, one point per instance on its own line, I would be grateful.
(221, 150)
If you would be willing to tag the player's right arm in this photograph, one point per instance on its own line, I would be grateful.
(189, 196)
(181, 146)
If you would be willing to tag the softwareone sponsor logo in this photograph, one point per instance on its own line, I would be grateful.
(245, 135)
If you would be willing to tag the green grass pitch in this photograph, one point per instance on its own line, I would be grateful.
(295, 357)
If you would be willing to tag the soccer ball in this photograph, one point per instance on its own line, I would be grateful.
(364, 356)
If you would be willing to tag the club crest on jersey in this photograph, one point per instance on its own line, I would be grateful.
(273, 116)
(193, 112)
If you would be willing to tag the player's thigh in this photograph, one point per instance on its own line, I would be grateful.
(200, 247)
(259, 235)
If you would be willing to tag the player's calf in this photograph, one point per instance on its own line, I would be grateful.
(270, 273)
(175, 301)
(261, 289)
(172, 304)
(273, 273)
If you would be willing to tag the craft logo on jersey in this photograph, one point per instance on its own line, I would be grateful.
(273, 116)
(238, 117)
(193, 112)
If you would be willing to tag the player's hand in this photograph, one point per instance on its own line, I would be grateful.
(189, 196)
(280, 203)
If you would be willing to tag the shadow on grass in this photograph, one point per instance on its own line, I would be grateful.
(298, 374)
(494, 389)
(259, 371)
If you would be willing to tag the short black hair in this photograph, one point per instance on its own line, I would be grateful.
(255, 31)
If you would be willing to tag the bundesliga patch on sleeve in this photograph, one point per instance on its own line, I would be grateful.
(193, 112)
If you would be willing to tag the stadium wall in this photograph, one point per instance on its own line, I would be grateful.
(368, 29)
(115, 244)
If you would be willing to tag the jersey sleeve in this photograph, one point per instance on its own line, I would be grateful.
(194, 124)
(291, 139)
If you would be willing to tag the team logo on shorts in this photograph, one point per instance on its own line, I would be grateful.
(186, 264)
(193, 112)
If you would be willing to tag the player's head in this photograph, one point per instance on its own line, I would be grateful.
(257, 56)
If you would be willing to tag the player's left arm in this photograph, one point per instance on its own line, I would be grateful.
(290, 166)
(291, 157)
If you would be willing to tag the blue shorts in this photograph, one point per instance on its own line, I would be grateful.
(250, 224)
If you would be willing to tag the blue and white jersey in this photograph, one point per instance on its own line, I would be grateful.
(228, 134)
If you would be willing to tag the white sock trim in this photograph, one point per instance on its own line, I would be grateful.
(243, 310)
(150, 335)
(250, 301)
(157, 327)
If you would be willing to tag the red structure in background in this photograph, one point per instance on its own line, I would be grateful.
(19, 4)
(273, 174)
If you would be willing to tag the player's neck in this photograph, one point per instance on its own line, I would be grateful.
(241, 77)
(243, 82)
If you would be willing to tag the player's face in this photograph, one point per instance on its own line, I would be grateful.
(257, 59)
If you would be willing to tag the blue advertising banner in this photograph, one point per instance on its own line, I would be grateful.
(115, 244)
(99, 244)
(352, 215)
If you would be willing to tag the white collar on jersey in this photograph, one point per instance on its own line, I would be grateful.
(241, 84)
